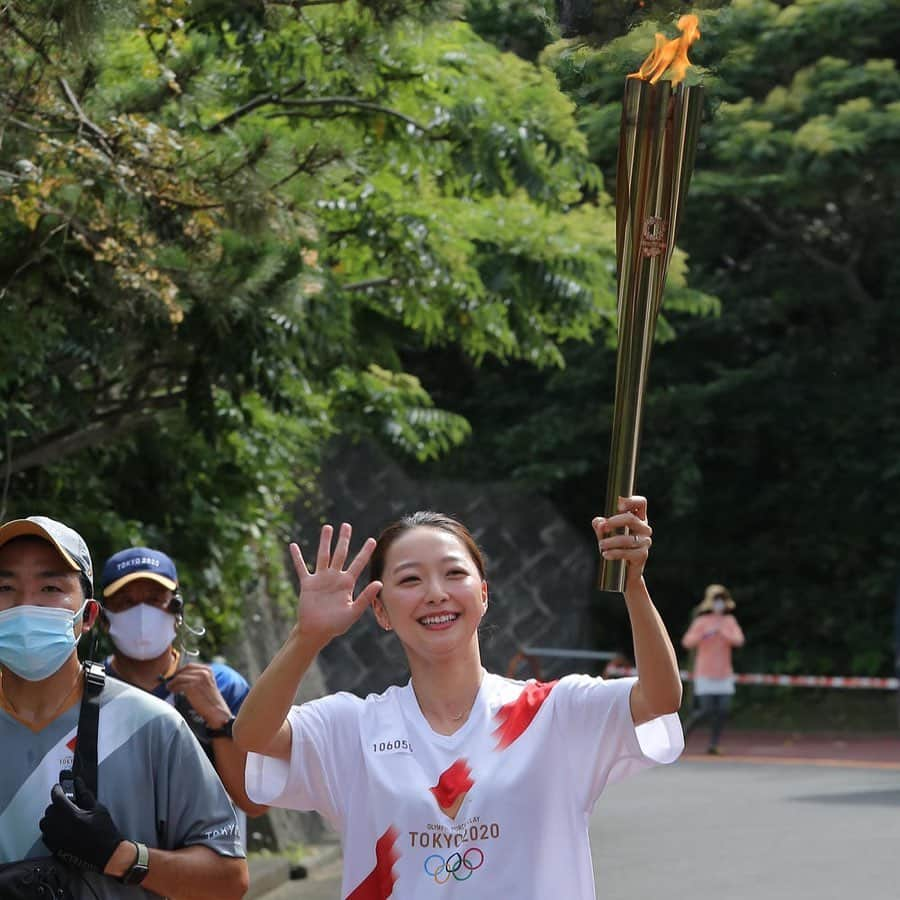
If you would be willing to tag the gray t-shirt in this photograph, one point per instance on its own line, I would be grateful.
(153, 776)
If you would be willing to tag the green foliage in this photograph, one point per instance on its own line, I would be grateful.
(523, 27)
(772, 431)
(226, 229)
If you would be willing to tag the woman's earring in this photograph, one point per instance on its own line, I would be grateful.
(387, 627)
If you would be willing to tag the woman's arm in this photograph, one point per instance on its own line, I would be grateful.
(325, 609)
(198, 684)
(732, 632)
(658, 688)
(693, 635)
(230, 763)
(261, 725)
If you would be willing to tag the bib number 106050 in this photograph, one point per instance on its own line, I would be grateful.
(398, 745)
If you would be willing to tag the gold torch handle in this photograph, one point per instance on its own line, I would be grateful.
(657, 145)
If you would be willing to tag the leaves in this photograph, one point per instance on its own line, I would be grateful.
(762, 441)
(230, 229)
(771, 423)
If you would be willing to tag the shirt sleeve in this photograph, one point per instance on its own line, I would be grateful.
(192, 806)
(601, 739)
(232, 686)
(325, 758)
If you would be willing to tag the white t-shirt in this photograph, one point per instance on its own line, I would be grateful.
(499, 809)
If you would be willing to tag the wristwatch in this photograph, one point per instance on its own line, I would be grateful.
(224, 731)
(139, 868)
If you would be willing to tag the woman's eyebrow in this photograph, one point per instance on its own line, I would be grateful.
(450, 557)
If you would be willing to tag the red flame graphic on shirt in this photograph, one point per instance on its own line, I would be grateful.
(71, 744)
(379, 883)
(516, 716)
(453, 784)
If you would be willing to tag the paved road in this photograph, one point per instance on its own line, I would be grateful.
(724, 830)
(738, 831)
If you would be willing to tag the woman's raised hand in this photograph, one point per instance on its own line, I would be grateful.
(633, 546)
(326, 608)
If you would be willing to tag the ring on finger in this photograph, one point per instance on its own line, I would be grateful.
(637, 540)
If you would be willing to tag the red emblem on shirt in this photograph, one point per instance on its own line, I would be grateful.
(71, 744)
(452, 787)
(379, 883)
(515, 717)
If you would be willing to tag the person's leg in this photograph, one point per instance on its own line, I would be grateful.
(719, 709)
(700, 711)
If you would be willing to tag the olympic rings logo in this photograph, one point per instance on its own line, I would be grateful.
(461, 867)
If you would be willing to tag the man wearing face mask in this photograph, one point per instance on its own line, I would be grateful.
(142, 613)
(159, 823)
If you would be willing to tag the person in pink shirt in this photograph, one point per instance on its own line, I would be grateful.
(713, 634)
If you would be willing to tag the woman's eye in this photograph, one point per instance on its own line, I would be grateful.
(50, 588)
(457, 572)
(410, 579)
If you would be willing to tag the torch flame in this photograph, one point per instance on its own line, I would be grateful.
(670, 54)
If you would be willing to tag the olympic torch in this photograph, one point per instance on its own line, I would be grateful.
(657, 145)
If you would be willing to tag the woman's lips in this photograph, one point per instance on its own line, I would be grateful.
(438, 621)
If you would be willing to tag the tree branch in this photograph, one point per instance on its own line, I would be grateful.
(101, 429)
(34, 128)
(7, 474)
(6, 15)
(353, 102)
(309, 164)
(255, 103)
(97, 131)
(384, 281)
(186, 204)
(856, 288)
(299, 4)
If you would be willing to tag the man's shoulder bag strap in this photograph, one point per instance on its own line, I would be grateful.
(44, 877)
(85, 762)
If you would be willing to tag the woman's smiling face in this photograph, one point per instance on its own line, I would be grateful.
(433, 596)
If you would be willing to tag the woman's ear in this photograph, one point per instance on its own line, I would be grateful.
(484, 595)
(381, 615)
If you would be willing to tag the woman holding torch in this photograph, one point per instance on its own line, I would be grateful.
(459, 774)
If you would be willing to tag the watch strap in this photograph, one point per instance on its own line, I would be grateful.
(224, 731)
(137, 872)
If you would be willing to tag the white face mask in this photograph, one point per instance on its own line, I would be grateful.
(142, 632)
(718, 606)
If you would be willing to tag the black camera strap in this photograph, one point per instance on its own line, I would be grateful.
(41, 877)
(85, 763)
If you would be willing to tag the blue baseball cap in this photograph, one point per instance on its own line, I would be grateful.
(69, 543)
(138, 562)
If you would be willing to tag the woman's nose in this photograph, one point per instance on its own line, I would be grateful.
(437, 591)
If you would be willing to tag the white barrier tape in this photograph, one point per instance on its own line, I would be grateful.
(846, 682)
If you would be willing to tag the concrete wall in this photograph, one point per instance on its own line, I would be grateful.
(540, 570)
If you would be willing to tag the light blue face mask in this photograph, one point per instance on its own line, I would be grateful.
(36, 640)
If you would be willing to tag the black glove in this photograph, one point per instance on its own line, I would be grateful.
(83, 835)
